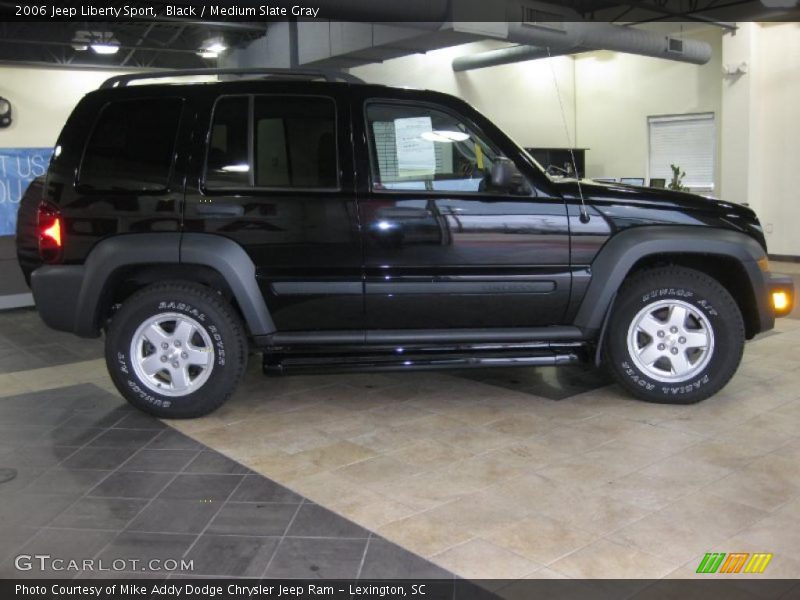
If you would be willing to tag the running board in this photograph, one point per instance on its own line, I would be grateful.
(377, 337)
(337, 364)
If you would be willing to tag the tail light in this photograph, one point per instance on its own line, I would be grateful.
(51, 233)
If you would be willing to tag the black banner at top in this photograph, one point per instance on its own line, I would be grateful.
(410, 11)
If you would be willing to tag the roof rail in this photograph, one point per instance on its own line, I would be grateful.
(327, 75)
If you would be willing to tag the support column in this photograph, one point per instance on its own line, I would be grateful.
(739, 161)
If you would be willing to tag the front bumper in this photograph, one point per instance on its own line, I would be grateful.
(781, 294)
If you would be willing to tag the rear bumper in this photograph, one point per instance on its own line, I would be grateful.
(57, 294)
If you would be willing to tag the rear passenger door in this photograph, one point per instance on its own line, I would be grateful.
(275, 175)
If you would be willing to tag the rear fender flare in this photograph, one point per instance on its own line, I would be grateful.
(216, 252)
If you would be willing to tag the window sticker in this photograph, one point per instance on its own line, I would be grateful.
(415, 154)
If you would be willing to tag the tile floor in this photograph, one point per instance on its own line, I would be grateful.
(85, 476)
(533, 473)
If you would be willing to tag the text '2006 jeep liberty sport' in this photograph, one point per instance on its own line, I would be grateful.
(338, 225)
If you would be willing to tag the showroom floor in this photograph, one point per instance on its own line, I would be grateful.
(487, 474)
(85, 476)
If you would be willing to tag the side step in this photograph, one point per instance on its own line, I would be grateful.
(290, 339)
(369, 363)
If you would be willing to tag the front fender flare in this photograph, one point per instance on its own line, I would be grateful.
(616, 259)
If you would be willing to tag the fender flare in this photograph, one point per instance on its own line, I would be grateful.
(616, 259)
(216, 252)
(231, 261)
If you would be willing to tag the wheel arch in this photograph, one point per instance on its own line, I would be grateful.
(725, 269)
(728, 256)
(119, 266)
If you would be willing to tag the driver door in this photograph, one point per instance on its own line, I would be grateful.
(444, 247)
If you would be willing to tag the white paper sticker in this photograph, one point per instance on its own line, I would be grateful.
(415, 155)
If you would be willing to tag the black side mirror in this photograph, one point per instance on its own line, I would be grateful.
(506, 176)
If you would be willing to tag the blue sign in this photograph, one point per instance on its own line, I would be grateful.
(18, 166)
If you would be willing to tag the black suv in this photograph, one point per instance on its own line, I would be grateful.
(331, 224)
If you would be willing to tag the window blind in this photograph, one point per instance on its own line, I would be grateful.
(688, 141)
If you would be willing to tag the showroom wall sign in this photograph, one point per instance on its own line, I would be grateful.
(5, 113)
(18, 166)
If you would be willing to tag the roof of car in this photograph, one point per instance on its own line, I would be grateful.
(149, 83)
(255, 72)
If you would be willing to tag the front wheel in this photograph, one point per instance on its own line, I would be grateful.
(176, 350)
(675, 336)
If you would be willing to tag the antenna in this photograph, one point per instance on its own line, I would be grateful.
(584, 212)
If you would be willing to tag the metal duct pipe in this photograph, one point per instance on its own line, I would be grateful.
(569, 38)
(504, 56)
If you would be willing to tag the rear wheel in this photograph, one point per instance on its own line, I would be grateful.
(675, 336)
(176, 350)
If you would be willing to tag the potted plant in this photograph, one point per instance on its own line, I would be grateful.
(676, 183)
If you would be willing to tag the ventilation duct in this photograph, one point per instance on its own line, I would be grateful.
(571, 37)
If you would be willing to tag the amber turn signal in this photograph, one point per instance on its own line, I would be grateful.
(781, 302)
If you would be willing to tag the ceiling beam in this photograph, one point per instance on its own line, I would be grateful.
(62, 44)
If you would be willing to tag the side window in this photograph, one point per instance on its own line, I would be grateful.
(228, 162)
(293, 142)
(421, 148)
(132, 146)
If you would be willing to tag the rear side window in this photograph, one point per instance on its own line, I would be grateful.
(132, 146)
(273, 142)
(228, 156)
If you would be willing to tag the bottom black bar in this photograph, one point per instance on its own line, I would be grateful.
(713, 588)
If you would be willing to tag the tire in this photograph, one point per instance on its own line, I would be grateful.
(176, 350)
(694, 356)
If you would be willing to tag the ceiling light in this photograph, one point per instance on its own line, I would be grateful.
(243, 168)
(215, 47)
(212, 48)
(105, 48)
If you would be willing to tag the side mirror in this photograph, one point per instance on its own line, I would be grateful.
(506, 176)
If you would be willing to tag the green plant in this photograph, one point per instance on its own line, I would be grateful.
(677, 179)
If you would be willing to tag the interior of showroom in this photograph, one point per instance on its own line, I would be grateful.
(483, 474)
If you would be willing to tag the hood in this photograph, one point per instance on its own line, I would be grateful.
(623, 206)
(599, 194)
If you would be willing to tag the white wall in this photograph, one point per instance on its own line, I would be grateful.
(738, 154)
(41, 100)
(617, 92)
(520, 98)
(776, 135)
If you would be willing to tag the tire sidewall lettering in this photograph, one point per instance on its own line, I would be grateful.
(132, 383)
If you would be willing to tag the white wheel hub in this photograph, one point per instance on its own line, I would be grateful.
(172, 354)
(670, 341)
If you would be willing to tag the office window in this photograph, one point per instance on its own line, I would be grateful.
(132, 146)
(420, 148)
(688, 141)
